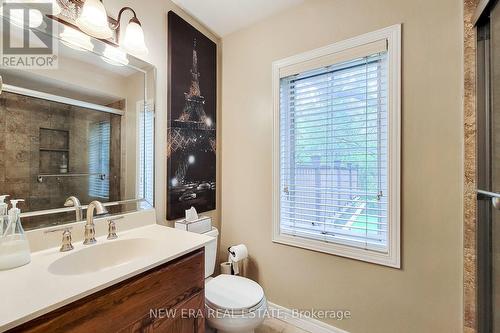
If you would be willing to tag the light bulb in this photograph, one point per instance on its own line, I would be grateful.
(115, 56)
(76, 39)
(94, 20)
(133, 39)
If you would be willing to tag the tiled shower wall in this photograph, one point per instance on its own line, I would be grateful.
(28, 126)
(470, 169)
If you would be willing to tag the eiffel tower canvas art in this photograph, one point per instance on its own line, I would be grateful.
(191, 146)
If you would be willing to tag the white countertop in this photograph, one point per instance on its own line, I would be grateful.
(30, 291)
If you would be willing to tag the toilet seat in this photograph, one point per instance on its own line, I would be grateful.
(233, 293)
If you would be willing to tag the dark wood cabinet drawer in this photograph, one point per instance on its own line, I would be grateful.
(177, 285)
(186, 317)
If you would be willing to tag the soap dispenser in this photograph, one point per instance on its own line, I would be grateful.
(63, 168)
(14, 246)
(3, 213)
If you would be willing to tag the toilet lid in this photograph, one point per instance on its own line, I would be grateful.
(233, 292)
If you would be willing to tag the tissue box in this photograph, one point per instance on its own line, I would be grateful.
(199, 226)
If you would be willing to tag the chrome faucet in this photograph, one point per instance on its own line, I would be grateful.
(99, 208)
(112, 227)
(73, 201)
(66, 238)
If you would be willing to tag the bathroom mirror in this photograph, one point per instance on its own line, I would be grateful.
(83, 127)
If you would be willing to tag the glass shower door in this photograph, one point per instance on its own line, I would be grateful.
(495, 163)
(488, 126)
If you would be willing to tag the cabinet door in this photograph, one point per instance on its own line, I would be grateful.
(186, 317)
(128, 305)
(191, 319)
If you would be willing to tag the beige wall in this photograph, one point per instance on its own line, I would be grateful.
(426, 294)
(153, 17)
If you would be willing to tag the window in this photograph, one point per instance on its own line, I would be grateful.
(336, 149)
(99, 147)
(145, 182)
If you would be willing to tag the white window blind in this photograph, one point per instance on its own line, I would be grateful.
(99, 154)
(333, 153)
(146, 152)
(336, 148)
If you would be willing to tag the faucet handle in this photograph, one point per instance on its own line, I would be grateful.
(66, 241)
(66, 238)
(89, 236)
(112, 230)
(112, 227)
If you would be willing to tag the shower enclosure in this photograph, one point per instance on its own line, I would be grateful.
(488, 166)
(53, 150)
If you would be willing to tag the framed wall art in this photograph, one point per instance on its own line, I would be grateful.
(192, 109)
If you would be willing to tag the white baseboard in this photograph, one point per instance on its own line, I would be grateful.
(306, 323)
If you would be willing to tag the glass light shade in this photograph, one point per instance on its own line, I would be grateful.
(115, 56)
(94, 20)
(133, 40)
(76, 39)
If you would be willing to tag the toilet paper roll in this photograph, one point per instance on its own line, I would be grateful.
(225, 268)
(238, 252)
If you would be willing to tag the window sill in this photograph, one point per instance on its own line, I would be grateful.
(379, 258)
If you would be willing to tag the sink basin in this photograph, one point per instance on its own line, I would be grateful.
(102, 256)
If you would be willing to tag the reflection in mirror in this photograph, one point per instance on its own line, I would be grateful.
(84, 129)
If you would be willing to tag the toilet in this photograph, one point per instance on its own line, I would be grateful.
(233, 304)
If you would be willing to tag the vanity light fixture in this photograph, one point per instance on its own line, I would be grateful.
(76, 39)
(133, 38)
(115, 56)
(93, 20)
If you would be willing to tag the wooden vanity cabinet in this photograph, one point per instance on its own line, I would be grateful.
(168, 299)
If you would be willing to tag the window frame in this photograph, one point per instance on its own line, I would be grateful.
(140, 107)
(392, 258)
(91, 193)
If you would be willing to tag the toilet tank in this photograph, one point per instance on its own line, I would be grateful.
(211, 252)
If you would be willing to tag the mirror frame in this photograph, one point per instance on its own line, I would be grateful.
(150, 86)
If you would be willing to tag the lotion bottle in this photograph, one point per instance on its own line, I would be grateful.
(3, 213)
(14, 246)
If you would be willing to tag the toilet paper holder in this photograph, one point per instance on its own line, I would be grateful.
(236, 254)
(231, 263)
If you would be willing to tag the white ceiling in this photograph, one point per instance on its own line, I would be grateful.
(226, 16)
